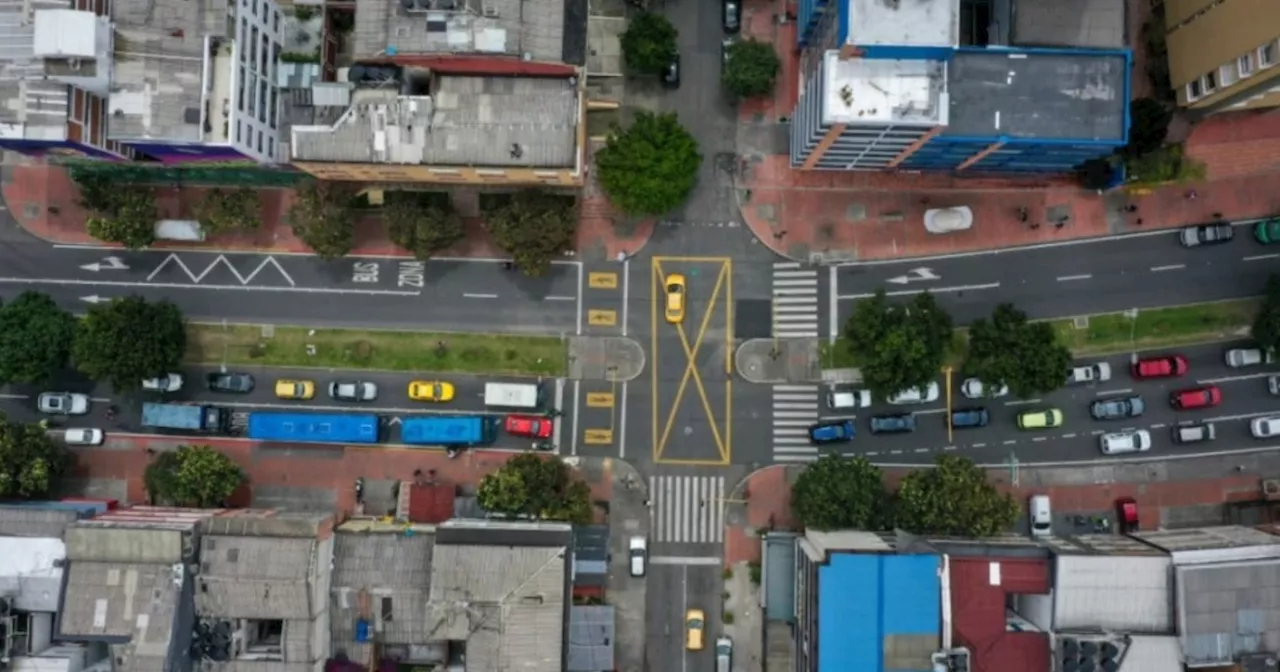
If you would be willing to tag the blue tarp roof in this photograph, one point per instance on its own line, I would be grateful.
(864, 598)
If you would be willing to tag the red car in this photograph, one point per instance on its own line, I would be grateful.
(531, 426)
(1196, 397)
(1127, 514)
(1167, 366)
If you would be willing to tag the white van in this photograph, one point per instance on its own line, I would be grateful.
(523, 396)
(1041, 516)
(637, 550)
(1135, 441)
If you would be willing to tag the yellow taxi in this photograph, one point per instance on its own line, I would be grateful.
(295, 389)
(431, 390)
(695, 623)
(675, 287)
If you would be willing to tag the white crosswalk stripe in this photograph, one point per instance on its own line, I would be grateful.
(795, 300)
(795, 407)
(687, 509)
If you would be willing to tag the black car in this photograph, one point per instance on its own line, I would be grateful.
(731, 15)
(1117, 408)
(900, 423)
(671, 77)
(235, 383)
(967, 418)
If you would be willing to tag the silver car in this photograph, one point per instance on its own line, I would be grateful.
(353, 390)
(63, 403)
(1206, 234)
(1240, 357)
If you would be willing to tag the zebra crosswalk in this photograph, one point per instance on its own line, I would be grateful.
(795, 407)
(687, 509)
(795, 300)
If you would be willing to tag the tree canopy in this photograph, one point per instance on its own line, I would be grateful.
(649, 43)
(1266, 325)
(534, 227)
(545, 488)
(127, 217)
(751, 68)
(195, 476)
(1026, 356)
(229, 210)
(841, 493)
(129, 340)
(953, 499)
(424, 224)
(649, 167)
(321, 217)
(898, 346)
(35, 339)
(31, 462)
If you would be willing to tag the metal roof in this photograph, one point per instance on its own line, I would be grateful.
(31, 571)
(878, 611)
(591, 638)
(1228, 609)
(460, 26)
(980, 588)
(1114, 593)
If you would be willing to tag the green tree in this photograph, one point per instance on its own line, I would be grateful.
(195, 476)
(130, 219)
(838, 492)
(897, 346)
(1149, 126)
(421, 224)
(30, 461)
(751, 69)
(953, 499)
(35, 339)
(543, 488)
(1266, 325)
(220, 211)
(1007, 349)
(648, 168)
(129, 340)
(321, 217)
(534, 227)
(649, 44)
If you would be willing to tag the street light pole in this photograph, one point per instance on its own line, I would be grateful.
(950, 429)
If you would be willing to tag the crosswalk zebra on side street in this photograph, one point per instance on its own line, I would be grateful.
(795, 407)
(795, 300)
(687, 509)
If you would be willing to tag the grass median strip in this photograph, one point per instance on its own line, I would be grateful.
(248, 344)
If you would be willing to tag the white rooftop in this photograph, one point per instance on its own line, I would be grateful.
(917, 23)
(30, 568)
(65, 33)
(878, 91)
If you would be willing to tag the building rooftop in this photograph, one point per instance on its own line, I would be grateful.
(259, 567)
(876, 91)
(878, 611)
(979, 590)
(1018, 94)
(159, 66)
(405, 27)
(31, 571)
(1229, 609)
(1221, 543)
(469, 121)
(21, 521)
(29, 108)
(1113, 593)
(392, 570)
(1092, 24)
(591, 638)
(923, 23)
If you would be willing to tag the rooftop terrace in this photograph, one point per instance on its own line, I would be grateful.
(865, 90)
(1017, 94)
(923, 23)
(388, 27)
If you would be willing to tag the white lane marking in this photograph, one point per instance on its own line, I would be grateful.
(15, 396)
(930, 410)
(578, 310)
(1232, 379)
(480, 296)
(1038, 439)
(872, 453)
(953, 447)
(976, 445)
(675, 560)
(1170, 267)
(274, 253)
(895, 452)
(1158, 425)
(174, 285)
(1069, 278)
(1103, 393)
(1010, 442)
(561, 298)
(786, 264)
(922, 450)
(1021, 402)
(1259, 257)
(934, 290)
(833, 326)
(1096, 432)
(1069, 436)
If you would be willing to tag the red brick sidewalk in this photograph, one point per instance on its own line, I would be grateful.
(46, 203)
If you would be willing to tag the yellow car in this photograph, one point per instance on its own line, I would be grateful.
(431, 390)
(675, 298)
(1043, 419)
(695, 622)
(295, 389)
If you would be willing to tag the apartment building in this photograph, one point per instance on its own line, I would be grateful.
(1223, 54)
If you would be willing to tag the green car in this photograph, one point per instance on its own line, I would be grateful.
(1043, 419)
(1267, 231)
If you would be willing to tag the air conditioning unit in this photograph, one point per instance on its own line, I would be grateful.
(491, 12)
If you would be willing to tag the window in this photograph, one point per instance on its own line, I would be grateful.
(244, 32)
(237, 131)
(1267, 55)
(1210, 82)
(1194, 91)
(1244, 65)
(275, 21)
(271, 147)
(266, 50)
(262, 101)
(253, 58)
(240, 94)
(255, 7)
(271, 111)
(1227, 74)
(259, 142)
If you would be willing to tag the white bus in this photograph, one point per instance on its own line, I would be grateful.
(522, 396)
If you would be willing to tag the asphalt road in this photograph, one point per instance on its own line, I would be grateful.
(393, 403)
(1244, 396)
(1144, 270)
(672, 591)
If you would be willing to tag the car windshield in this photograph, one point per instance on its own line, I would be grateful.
(674, 289)
(437, 390)
(695, 624)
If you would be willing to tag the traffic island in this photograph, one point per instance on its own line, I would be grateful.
(781, 360)
(610, 358)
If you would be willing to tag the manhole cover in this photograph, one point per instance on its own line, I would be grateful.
(1081, 322)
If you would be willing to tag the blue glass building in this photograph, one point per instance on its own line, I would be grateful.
(890, 84)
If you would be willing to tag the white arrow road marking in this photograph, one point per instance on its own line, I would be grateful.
(108, 264)
(94, 298)
(922, 274)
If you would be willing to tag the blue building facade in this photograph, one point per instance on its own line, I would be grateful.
(887, 85)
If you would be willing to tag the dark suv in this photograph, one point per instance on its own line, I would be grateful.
(1117, 408)
(900, 423)
(970, 418)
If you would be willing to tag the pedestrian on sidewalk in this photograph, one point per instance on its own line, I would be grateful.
(1191, 194)
(1139, 222)
(1131, 208)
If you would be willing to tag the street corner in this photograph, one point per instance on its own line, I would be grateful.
(780, 360)
(611, 359)
(691, 355)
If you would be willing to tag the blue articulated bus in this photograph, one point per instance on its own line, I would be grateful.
(450, 430)
(314, 427)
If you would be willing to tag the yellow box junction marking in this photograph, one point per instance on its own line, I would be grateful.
(600, 399)
(598, 437)
(602, 318)
(602, 280)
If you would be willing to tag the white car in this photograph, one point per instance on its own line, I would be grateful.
(1135, 441)
(974, 389)
(637, 552)
(170, 382)
(1265, 428)
(946, 220)
(83, 437)
(843, 399)
(353, 390)
(1093, 373)
(1041, 516)
(63, 403)
(916, 395)
(1239, 357)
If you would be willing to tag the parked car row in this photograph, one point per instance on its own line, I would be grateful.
(1266, 232)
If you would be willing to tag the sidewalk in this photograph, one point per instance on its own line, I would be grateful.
(837, 216)
(45, 202)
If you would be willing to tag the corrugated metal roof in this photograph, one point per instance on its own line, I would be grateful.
(1116, 593)
(1152, 654)
(591, 637)
(1227, 610)
(978, 598)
